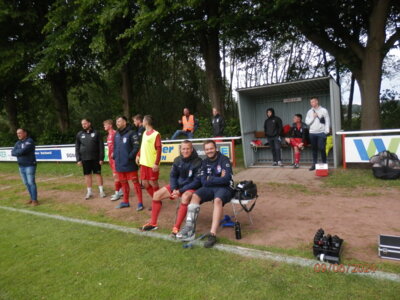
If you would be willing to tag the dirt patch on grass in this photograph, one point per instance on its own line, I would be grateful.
(292, 205)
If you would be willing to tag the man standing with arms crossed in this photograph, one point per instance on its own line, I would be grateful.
(217, 185)
(89, 152)
(24, 150)
(149, 156)
(126, 146)
(108, 126)
(183, 184)
(318, 120)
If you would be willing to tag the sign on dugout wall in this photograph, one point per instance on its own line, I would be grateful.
(67, 153)
(360, 149)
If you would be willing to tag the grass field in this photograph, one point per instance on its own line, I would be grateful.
(50, 259)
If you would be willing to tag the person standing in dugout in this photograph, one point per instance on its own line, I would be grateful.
(273, 130)
(319, 122)
(89, 152)
(126, 146)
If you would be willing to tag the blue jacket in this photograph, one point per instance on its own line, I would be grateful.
(211, 172)
(25, 152)
(184, 173)
(126, 146)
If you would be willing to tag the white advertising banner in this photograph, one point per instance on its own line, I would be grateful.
(360, 149)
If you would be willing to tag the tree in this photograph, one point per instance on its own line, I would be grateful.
(358, 33)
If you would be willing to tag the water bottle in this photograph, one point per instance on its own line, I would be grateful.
(238, 231)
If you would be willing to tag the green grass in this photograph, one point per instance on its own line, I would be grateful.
(50, 259)
(352, 178)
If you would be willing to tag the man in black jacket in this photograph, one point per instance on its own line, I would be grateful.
(24, 150)
(273, 130)
(182, 183)
(89, 152)
(218, 123)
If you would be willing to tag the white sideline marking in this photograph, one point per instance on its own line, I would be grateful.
(55, 178)
(242, 251)
(49, 179)
(5, 187)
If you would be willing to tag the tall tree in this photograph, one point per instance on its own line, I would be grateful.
(358, 33)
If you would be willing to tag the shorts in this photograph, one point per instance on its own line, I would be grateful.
(168, 187)
(91, 166)
(210, 193)
(295, 142)
(125, 176)
(147, 173)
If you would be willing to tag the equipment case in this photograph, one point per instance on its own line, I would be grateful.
(389, 247)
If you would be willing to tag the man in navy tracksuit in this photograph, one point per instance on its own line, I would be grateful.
(24, 150)
(89, 152)
(126, 146)
(184, 180)
(217, 184)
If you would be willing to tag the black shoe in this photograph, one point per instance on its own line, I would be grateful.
(275, 163)
(312, 168)
(212, 239)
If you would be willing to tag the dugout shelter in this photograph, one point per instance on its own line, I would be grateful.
(286, 99)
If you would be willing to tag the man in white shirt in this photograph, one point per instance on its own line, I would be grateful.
(318, 120)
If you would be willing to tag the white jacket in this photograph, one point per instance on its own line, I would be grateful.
(314, 123)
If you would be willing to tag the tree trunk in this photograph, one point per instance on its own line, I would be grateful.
(350, 105)
(127, 93)
(209, 44)
(10, 105)
(58, 83)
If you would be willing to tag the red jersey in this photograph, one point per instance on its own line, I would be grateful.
(110, 143)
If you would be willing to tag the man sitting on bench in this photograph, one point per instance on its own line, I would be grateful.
(182, 184)
(217, 185)
(297, 138)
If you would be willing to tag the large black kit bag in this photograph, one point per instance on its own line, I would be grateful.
(246, 190)
(385, 165)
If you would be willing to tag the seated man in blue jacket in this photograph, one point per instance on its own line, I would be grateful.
(217, 185)
(24, 150)
(182, 183)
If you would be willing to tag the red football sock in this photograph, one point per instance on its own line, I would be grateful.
(297, 157)
(181, 215)
(125, 189)
(155, 211)
(150, 190)
(117, 185)
(138, 191)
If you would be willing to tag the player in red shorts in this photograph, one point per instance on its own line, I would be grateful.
(108, 126)
(126, 146)
(183, 184)
(297, 138)
(149, 156)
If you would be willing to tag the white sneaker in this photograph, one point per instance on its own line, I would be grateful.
(116, 197)
(102, 194)
(88, 195)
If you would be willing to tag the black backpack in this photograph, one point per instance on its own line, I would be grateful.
(386, 165)
(246, 190)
